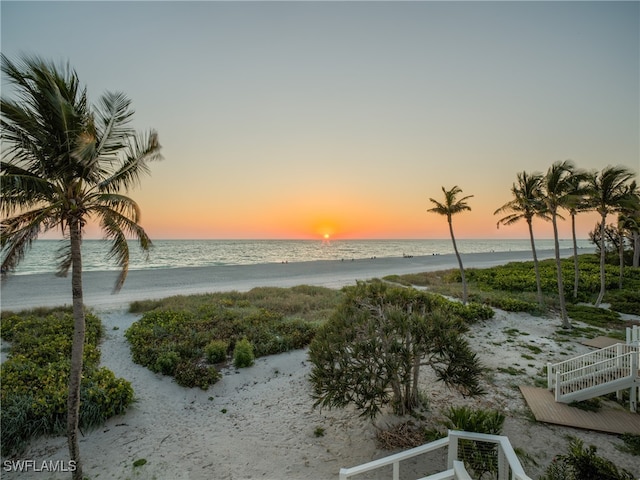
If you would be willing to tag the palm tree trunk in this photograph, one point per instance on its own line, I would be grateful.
(602, 259)
(636, 249)
(535, 263)
(77, 350)
(563, 307)
(455, 249)
(621, 255)
(576, 269)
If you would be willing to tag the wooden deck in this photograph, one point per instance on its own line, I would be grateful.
(609, 419)
(601, 342)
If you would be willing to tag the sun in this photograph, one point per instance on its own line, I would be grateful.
(326, 236)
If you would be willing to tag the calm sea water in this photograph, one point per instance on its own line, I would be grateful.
(199, 253)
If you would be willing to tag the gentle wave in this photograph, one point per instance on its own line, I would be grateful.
(42, 258)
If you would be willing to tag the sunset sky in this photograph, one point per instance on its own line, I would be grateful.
(305, 119)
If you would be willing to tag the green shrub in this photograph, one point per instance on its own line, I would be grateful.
(34, 389)
(624, 301)
(480, 457)
(189, 374)
(583, 464)
(216, 351)
(166, 363)
(243, 354)
(370, 351)
(631, 443)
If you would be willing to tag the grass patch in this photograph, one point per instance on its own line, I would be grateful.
(532, 348)
(631, 443)
(512, 370)
(591, 405)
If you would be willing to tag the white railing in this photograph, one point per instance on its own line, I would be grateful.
(633, 335)
(509, 467)
(591, 358)
(618, 372)
(596, 373)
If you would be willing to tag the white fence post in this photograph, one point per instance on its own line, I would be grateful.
(633, 392)
(452, 453)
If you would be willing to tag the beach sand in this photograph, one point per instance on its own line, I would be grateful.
(259, 422)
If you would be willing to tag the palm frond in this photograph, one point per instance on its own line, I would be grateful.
(117, 225)
(141, 151)
(18, 233)
(451, 204)
(112, 120)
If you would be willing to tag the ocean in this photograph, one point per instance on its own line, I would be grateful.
(203, 253)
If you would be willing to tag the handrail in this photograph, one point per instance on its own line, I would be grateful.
(394, 460)
(507, 458)
(619, 362)
(587, 359)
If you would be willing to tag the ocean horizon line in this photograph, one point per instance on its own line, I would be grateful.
(44, 254)
(331, 239)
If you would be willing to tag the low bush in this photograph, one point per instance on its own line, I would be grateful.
(189, 374)
(583, 464)
(631, 443)
(216, 351)
(243, 354)
(167, 363)
(34, 388)
(479, 457)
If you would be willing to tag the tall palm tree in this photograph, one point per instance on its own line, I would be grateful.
(555, 190)
(575, 202)
(608, 193)
(526, 203)
(64, 164)
(450, 207)
(627, 223)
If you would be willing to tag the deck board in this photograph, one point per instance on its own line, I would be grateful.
(600, 342)
(611, 420)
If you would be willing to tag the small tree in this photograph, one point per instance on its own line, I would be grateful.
(370, 352)
(608, 193)
(449, 208)
(526, 204)
(556, 191)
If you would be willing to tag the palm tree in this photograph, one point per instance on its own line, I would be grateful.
(556, 185)
(576, 201)
(608, 193)
(628, 224)
(450, 207)
(64, 164)
(525, 205)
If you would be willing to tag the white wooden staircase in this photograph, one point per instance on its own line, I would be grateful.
(610, 369)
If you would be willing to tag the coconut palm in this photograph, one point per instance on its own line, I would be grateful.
(556, 185)
(608, 193)
(628, 224)
(64, 163)
(526, 203)
(576, 201)
(450, 207)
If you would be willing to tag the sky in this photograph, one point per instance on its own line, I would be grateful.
(300, 120)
